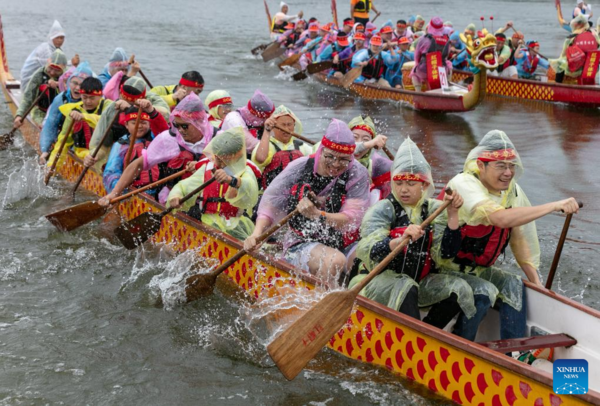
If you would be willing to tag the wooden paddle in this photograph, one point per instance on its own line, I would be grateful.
(259, 48)
(131, 61)
(203, 284)
(290, 61)
(50, 173)
(352, 75)
(138, 230)
(297, 345)
(311, 69)
(7, 139)
(269, 21)
(375, 18)
(80, 214)
(95, 152)
(300, 137)
(273, 51)
(559, 248)
(132, 138)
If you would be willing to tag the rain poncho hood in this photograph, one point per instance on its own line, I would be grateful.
(282, 111)
(56, 31)
(471, 27)
(494, 146)
(258, 109)
(59, 58)
(230, 145)
(365, 124)
(338, 138)
(192, 111)
(215, 99)
(118, 57)
(81, 71)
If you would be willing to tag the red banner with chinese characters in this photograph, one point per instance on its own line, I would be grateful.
(434, 61)
(588, 76)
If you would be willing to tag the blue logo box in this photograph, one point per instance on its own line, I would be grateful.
(570, 376)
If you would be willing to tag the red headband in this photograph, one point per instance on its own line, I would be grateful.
(259, 114)
(501, 39)
(131, 97)
(91, 92)
(191, 83)
(364, 128)
(499, 155)
(533, 44)
(344, 149)
(218, 102)
(415, 177)
(350, 23)
(133, 116)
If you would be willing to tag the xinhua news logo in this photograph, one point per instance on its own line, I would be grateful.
(570, 376)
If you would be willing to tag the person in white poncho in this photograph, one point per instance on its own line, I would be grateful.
(38, 57)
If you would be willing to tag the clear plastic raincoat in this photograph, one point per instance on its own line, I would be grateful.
(39, 56)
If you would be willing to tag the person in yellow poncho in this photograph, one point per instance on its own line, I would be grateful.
(496, 213)
(85, 114)
(227, 202)
(219, 103)
(191, 81)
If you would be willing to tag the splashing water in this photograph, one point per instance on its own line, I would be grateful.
(26, 182)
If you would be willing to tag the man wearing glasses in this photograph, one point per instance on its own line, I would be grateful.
(496, 213)
(331, 190)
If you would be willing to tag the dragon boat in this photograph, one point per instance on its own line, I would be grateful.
(465, 372)
(455, 99)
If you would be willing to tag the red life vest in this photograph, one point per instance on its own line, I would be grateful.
(533, 63)
(375, 68)
(82, 131)
(145, 177)
(509, 62)
(280, 161)
(481, 245)
(315, 230)
(49, 93)
(417, 261)
(177, 164)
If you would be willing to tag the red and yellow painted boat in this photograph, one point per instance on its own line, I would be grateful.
(462, 371)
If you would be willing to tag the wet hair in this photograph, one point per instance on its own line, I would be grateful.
(131, 110)
(132, 90)
(400, 22)
(91, 84)
(193, 76)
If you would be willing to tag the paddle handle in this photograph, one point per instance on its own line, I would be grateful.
(260, 239)
(190, 195)
(95, 152)
(132, 138)
(149, 186)
(300, 137)
(559, 248)
(146, 79)
(9, 136)
(383, 264)
(58, 153)
(388, 153)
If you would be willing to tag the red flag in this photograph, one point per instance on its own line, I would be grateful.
(334, 13)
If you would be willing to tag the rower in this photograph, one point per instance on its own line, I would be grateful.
(39, 56)
(281, 19)
(334, 49)
(151, 124)
(386, 34)
(402, 30)
(583, 9)
(291, 37)
(496, 212)
(278, 148)
(309, 51)
(119, 61)
(378, 166)
(54, 119)
(133, 89)
(321, 236)
(226, 203)
(398, 216)
(347, 27)
(394, 73)
(457, 52)
(85, 114)
(374, 61)
(172, 149)
(418, 24)
(576, 50)
(528, 59)
(191, 81)
(44, 80)
(506, 59)
(359, 10)
(219, 104)
(342, 62)
(252, 118)
(433, 42)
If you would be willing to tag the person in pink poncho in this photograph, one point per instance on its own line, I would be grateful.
(320, 238)
(171, 150)
(251, 117)
(434, 41)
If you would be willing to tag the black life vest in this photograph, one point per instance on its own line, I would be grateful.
(82, 132)
(49, 93)
(145, 177)
(417, 258)
(481, 245)
(376, 67)
(439, 43)
(315, 230)
(509, 62)
(281, 159)
(363, 6)
(292, 39)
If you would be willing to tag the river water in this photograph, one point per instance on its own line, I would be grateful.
(80, 321)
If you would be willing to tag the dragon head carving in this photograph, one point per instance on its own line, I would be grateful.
(482, 49)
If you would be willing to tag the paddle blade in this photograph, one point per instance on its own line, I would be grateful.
(75, 216)
(350, 77)
(290, 61)
(6, 141)
(137, 231)
(319, 67)
(296, 346)
(200, 285)
(259, 48)
(300, 75)
(272, 52)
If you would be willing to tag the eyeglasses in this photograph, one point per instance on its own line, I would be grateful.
(333, 158)
(503, 166)
(182, 126)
